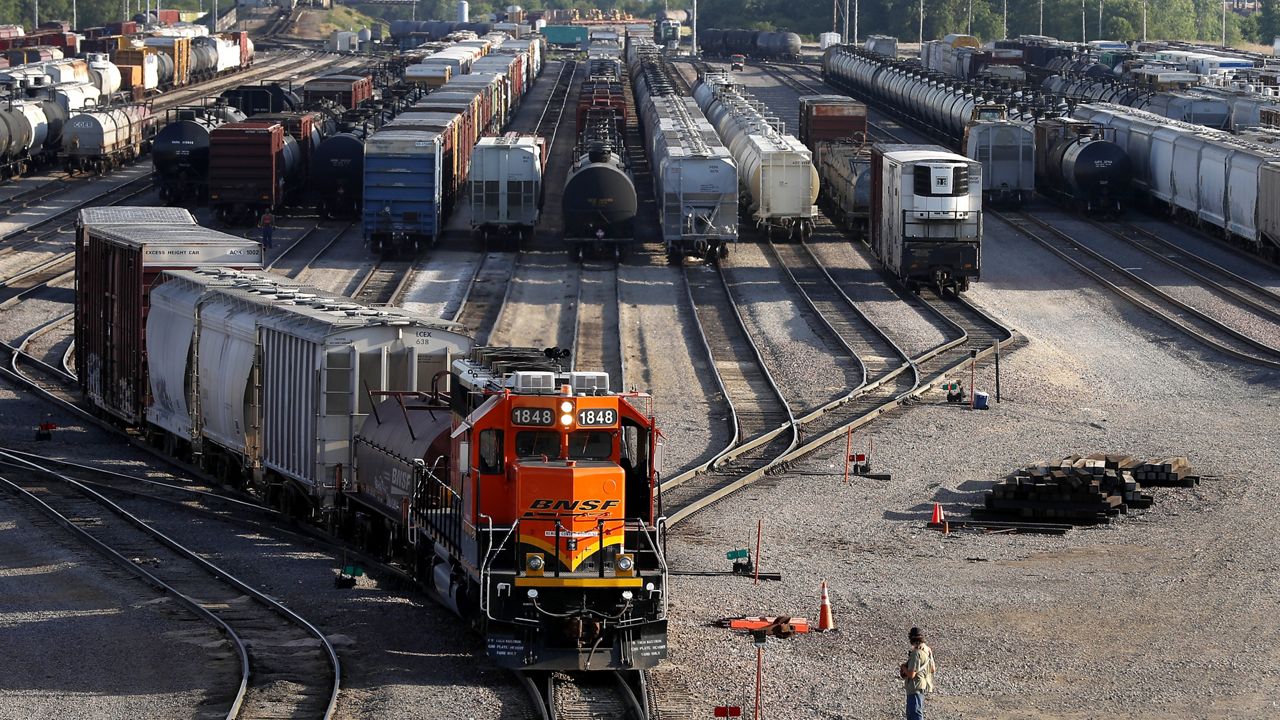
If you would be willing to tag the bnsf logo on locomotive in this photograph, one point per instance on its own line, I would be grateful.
(573, 504)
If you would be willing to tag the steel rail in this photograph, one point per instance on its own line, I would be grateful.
(271, 605)
(1143, 294)
(1245, 291)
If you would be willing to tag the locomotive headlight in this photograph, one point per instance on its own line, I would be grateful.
(534, 563)
(566, 420)
(625, 562)
(566, 407)
(626, 595)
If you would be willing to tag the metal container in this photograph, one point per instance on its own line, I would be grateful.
(694, 175)
(250, 164)
(926, 215)
(92, 137)
(773, 167)
(845, 170)
(1008, 155)
(403, 201)
(505, 184)
(119, 253)
(337, 174)
(311, 362)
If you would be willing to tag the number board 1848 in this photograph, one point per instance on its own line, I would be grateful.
(595, 417)
(540, 416)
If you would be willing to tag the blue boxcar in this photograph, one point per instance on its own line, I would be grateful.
(403, 208)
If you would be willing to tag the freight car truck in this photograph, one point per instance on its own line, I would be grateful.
(926, 215)
(506, 185)
(120, 251)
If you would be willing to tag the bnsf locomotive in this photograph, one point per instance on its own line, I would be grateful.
(527, 506)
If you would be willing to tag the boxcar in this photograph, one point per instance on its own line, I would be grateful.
(250, 165)
(926, 215)
(119, 253)
(403, 202)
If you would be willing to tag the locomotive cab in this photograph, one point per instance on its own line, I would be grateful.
(559, 487)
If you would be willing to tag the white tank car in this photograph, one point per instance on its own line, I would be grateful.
(774, 168)
(102, 139)
(1007, 151)
(274, 377)
(926, 215)
(104, 73)
(694, 175)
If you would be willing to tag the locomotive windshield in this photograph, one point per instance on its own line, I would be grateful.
(583, 444)
(535, 443)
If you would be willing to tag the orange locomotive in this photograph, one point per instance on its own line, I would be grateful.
(528, 507)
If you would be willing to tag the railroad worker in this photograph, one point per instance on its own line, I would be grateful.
(267, 223)
(917, 674)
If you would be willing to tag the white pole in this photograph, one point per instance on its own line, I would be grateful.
(1004, 23)
(969, 29)
(845, 31)
(1144, 20)
(1041, 17)
(1100, 20)
(855, 21)
(75, 22)
(693, 20)
(37, 10)
(1083, 35)
(920, 38)
(1224, 23)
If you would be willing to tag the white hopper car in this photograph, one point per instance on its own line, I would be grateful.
(1007, 151)
(774, 168)
(269, 379)
(1211, 177)
(505, 185)
(926, 215)
(694, 176)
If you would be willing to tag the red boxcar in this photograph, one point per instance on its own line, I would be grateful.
(349, 91)
(168, 16)
(127, 27)
(119, 253)
(250, 165)
(831, 117)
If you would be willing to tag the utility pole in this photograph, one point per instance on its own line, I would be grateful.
(1144, 20)
(1004, 23)
(1041, 17)
(75, 22)
(969, 29)
(37, 12)
(1100, 20)
(845, 32)
(693, 20)
(1224, 23)
(920, 38)
(1083, 35)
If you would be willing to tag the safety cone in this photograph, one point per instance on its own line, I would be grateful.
(826, 620)
(938, 517)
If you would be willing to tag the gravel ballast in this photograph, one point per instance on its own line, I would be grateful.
(1149, 617)
(84, 638)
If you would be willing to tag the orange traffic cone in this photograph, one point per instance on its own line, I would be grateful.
(938, 517)
(826, 620)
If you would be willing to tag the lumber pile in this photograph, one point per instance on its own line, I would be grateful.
(1081, 490)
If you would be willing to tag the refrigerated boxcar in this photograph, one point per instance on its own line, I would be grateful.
(119, 253)
(926, 215)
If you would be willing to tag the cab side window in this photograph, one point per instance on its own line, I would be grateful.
(491, 451)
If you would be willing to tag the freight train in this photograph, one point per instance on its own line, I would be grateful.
(414, 167)
(521, 495)
(775, 171)
(760, 44)
(47, 89)
(695, 178)
(599, 201)
(1092, 178)
(834, 128)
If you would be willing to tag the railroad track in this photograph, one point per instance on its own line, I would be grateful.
(304, 252)
(604, 695)
(487, 293)
(384, 282)
(597, 333)
(287, 667)
(764, 426)
(1147, 297)
(1263, 301)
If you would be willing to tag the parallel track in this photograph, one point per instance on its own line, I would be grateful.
(1181, 316)
(384, 282)
(292, 669)
(597, 333)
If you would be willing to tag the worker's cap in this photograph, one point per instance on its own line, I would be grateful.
(916, 635)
